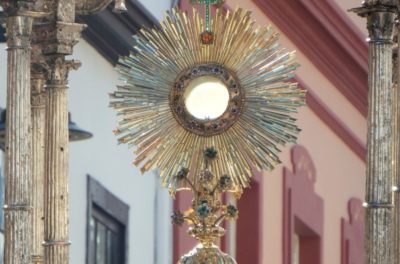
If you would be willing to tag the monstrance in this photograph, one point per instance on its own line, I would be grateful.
(207, 101)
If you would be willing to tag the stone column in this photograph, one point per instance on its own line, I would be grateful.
(38, 101)
(396, 148)
(57, 40)
(56, 181)
(379, 227)
(17, 207)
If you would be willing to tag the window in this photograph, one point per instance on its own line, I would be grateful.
(303, 211)
(107, 236)
(353, 233)
(107, 226)
(249, 226)
(296, 249)
(306, 244)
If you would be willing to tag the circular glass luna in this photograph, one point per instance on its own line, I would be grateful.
(206, 98)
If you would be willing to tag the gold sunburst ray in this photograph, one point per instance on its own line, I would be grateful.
(253, 56)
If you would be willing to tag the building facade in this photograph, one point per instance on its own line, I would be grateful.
(309, 209)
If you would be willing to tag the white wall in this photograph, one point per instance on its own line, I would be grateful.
(108, 163)
(104, 160)
(150, 230)
(158, 7)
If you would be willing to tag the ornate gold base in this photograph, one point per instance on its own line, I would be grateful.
(206, 255)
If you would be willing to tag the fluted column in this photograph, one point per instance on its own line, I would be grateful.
(56, 181)
(57, 40)
(18, 141)
(379, 158)
(396, 147)
(56, 35)
(378, 233)
(38, 100)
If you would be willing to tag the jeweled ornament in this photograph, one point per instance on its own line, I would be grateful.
(207, 212)
(207, 111)
(158, 116)
(207, 37)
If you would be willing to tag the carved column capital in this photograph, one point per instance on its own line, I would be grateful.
(38, 95)
(379, 2)
(380, 26)
(57, 37)
(90, 7)
(51, 43)
(30, 8)
(39, 74)
(13, 7)
(38, 99)
(380, 16)
(59, 69)
(376, 5)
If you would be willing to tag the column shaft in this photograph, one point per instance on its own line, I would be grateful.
(56, 179)
(17, 208)
(396, 149)
(38, 166)
(380, 142)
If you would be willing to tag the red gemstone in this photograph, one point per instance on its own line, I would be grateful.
(207, 37)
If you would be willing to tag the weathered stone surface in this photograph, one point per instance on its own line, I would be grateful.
(379, 199)
(38, 102)
(380, 2)
(56, 175)
(396, 149)
(38, 173)
(56, 229)
(18, 209)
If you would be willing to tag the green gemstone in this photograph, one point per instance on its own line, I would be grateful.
(203, 2)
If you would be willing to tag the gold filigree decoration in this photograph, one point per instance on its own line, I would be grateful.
(253, 55)
(207, 212)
